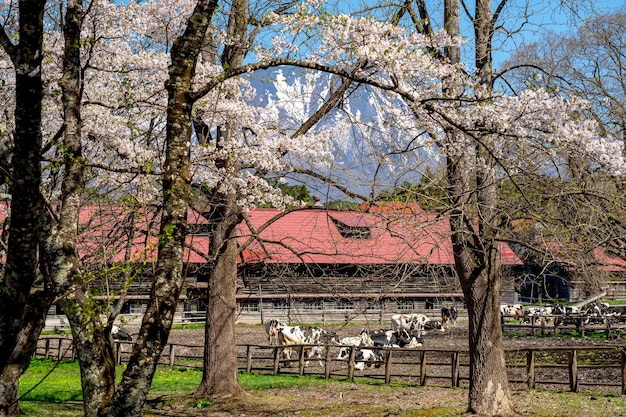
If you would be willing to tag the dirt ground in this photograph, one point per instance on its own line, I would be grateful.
(455, 338)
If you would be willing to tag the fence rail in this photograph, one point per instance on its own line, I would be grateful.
(588, 368)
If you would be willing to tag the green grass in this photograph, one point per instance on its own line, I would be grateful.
(59, 395)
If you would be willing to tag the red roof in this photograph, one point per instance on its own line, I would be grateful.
(106, 230)
(386, 234)
(608, 263)
(564, 252)
(315, 236)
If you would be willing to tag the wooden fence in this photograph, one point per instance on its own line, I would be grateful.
(579, 368)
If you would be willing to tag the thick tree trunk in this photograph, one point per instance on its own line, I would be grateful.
(93, 347)
(489, 389)
(26, 204)
(478, 266)
(25, 345)
(473, 222)
(219, 378)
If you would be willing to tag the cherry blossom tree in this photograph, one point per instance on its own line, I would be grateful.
(484, 136)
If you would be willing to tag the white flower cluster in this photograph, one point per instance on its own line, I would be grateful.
(403, 103)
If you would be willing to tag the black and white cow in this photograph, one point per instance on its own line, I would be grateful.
(280, 334)
(367, 357)
(362, 340)
(391, 338)
(412, 323)
(512, 310)
(119, 334)
(433, 325)
(448, 316)
(385, 337)
(362, 356)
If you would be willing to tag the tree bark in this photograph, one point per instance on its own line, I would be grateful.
(130, 398)
(94, 352)
(219, 379)
(17, 331)
(32, 323)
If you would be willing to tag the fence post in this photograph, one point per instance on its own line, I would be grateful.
(60, 351)
(455, 369)
(47, 347)
(276, 361)
(248, 358)
(172, 354)
(301, 361)
(118, 353)
(327, 363)
(423, 369)
(387, 366)
(573, 370)
(351, 363)
(530, 368)
(623, 371)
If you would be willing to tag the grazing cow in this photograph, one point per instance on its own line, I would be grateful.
(283, 335)
(412, 323)
(448, 316)
(119, 334)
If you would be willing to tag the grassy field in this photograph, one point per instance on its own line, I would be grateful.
(52, 389)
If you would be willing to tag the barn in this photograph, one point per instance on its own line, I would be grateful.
(380, 257)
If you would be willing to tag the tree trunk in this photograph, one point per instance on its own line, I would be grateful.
(489, 389)
(97, 369)
(26, 205)
(10, 389)
(473, 223)
(25, 345)
(16, 333)
(219, 377)
(130, 398)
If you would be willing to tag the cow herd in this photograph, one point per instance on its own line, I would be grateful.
(407, 332)
(558, 314)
